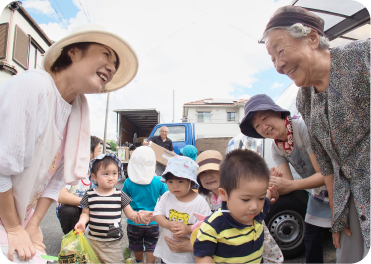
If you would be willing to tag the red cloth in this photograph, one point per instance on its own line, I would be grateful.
(289, 145)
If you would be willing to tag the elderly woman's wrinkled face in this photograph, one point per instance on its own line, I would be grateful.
(269, 124)
(290, 56)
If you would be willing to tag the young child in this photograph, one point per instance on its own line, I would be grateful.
(174, 211)
(235, 234)
(144, 189)
(103, 207)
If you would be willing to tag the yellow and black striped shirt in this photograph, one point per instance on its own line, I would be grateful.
(228, 241)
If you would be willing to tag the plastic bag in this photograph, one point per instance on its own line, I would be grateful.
(75, 248)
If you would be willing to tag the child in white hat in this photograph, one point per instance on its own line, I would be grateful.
(174, 212)
(144, 189)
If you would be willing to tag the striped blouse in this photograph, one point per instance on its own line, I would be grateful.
(105, 214)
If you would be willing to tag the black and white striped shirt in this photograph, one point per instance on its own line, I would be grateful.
(105, 214)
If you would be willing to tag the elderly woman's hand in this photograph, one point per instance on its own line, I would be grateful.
(276, 172)
(182, 245)
(19, 240)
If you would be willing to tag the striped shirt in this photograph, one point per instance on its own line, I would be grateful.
(105, 214)
(228, 241)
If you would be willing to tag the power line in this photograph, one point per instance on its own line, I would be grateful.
(59, 15)
(84, 11)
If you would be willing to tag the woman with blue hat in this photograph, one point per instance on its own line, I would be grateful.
(265, 119)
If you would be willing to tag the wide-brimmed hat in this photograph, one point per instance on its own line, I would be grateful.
(100, 157)
(189, 151)
(142, 165)
(208, 160)
(96, 33)
(182, 167)
(259, 102)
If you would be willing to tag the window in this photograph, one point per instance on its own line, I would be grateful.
(203, 117)
(231, 116)
(35, 56)
(176, 133)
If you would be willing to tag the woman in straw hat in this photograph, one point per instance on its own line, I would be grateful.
(45, 114)
(334, 100)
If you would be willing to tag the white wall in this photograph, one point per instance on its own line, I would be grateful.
(205, 130)
(218, 113)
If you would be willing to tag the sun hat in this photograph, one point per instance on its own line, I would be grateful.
(182, 167)
(100, 157)
(259, 102)
(290, 15)
(142, 165)
(209, 160)
(189, 151)
(96, 33)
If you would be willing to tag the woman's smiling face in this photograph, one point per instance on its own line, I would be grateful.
(291, 56)
(269, 124)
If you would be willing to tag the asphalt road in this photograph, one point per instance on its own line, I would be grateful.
(53, 236)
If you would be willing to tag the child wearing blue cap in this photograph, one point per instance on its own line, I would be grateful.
(103, 207)
(174, 211)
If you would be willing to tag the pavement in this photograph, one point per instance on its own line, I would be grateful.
(53, 236)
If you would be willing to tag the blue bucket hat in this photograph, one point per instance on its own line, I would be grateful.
(182, 167)
(100, 157)
(259, 102)
(189, 151)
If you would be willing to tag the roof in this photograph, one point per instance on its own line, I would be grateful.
(218, 101)
(345, 20)
(140, 117)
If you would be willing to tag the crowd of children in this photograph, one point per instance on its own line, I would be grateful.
(233, 198)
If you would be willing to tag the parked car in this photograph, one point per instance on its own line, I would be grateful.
(285, 220)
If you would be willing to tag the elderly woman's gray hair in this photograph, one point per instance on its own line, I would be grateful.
(298, 30)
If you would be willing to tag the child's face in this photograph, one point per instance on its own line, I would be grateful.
(210, 179)
(106, 178)
(179, 187)
(247, 201)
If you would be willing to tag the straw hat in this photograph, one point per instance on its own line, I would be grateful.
(209, 160)
(96, 33)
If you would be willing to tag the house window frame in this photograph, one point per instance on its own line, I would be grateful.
(32, 42)
(229, 114)
(203, 117)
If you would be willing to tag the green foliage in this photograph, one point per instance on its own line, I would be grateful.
(113, 145)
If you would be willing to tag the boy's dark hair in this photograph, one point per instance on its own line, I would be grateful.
(94, 142)
(239, 165)
(105, 162)
(64, 60)
(169, 176)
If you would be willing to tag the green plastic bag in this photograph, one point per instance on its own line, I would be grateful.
(75, 248)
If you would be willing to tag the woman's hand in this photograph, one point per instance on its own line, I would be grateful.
(36, 236)
(178, 229)
(336, 237)
(182, 245)
(276, 172)
(282, 185)
(19, 240)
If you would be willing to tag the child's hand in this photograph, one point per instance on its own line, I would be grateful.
(178, 229)
(276, 172)
(136, 218)
(80, 226)
(272, 194)
(145, 217)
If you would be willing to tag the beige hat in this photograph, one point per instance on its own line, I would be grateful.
(208, 160)
(96, 33)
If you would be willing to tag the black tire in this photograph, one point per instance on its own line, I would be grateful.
(285, 222)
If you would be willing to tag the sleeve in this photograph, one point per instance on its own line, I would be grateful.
(304, 136)
(163, 188)
(5, 183)
(277, 158)
(265, 210)
(206, 241)
(125, 188)
(205, 210)
(171, 145)
(55, 184)
(323, 159)
(125, 200)
(160, 208)
(84, 201)
(23, 115)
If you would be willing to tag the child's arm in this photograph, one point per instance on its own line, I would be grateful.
(162, 221)
(206, 259)
(180, 229)
(84, 219)
(132, 215)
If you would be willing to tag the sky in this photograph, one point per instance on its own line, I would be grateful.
(197, 49)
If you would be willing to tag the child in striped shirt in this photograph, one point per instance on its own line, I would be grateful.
(103, 210)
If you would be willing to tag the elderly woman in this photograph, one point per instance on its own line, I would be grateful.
(264, 119)
(44, 115)
(334, 100)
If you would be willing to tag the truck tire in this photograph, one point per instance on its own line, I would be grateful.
(285, 222)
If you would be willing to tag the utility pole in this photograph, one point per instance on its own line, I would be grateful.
(105, 126)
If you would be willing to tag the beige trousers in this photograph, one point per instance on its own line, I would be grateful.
(109, 252)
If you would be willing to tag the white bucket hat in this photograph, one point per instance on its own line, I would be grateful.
(142, 165)
(96, 33)
(182, 167)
